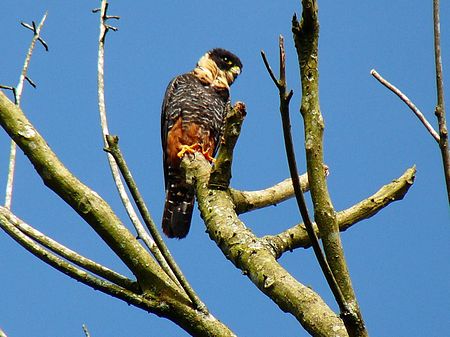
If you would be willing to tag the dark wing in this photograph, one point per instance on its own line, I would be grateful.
(171, 110)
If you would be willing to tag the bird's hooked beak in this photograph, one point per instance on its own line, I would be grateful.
(235, 71)
(231, 74)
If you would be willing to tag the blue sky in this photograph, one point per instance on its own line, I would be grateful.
(398, 259)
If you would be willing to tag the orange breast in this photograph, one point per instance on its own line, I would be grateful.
(190, 135)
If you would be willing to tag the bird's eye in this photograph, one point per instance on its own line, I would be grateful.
(227, 60)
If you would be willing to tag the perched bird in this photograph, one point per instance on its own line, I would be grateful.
(192, 119)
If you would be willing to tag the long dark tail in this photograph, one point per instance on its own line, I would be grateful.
(178, 208)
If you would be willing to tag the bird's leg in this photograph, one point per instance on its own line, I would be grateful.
(208, 156)
(195, 148)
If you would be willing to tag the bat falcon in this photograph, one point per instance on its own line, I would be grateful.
(192, 120)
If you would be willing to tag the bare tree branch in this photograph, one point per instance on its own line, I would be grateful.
(297, 236)
(408, 102)
(142, 233)
(442, 137)
(86, 331)
(161, 295)
(246, 201)
(221, 173)
(256, 259)
(69, 254)
(290, 153)
(113, 149)
(6, 223)
(17, 98)
(440, 106)
(306, 37)
(88, 204)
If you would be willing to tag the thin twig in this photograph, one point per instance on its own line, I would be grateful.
(113, 149)
(408, 102)
(141, 232)
(13, 89)
(85, 330)
(17, 97)
(74, 272)
(290, 153)
(69, 254)
(440, 106)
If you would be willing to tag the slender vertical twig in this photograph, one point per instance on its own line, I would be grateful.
(142, 234)
(18, 90)
(290, 153)
(113, 149)
(440, 106)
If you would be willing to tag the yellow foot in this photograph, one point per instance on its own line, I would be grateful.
(195, 148)
(207, 156)
(188, 149)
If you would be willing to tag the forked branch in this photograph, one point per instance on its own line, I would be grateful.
(142, 233)
(408, 102)
(17, 91)
(254, 256)
(113, 149)
(442, 137)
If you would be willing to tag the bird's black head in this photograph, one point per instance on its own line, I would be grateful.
(225, 60)
(218, 68)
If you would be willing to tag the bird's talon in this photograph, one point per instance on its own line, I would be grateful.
(188, 149)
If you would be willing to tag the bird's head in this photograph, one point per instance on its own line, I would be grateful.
(218, 68)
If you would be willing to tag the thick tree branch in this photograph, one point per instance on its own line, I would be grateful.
(194, 322)
(297, 236)
(306, 38)
(160, 295)
(88, 204)
(256, 259)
